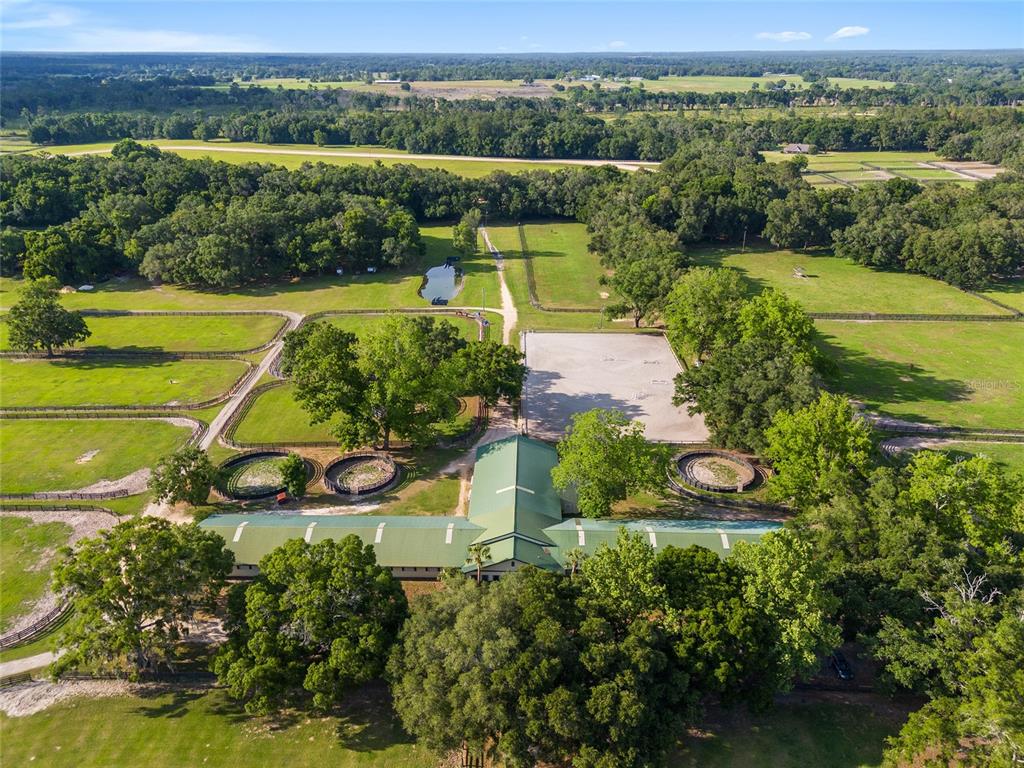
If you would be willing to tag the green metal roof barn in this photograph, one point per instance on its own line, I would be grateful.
(514, 511)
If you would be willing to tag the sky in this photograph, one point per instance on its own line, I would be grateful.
(528, 26)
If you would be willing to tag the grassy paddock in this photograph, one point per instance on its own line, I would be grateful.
(567, 274)
(1010, 455)
(823, 734)
(168, 729)
(57, 455)
(275, 417)
(840, 285)
(27, 551)
(115, 382)
(382, 290)
(177, 334)
(965, 374)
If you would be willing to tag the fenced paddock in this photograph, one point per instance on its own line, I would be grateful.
(633, 373)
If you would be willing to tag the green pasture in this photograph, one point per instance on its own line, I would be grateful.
(1008, 292)
(728, 83)
(794, 734)
(359, 324)
(161, 729)
(839, 285)
(566, 272)
(505, 238)
(178, 334)
(27, 551)
(828, 161)
(387, 289)
(955, 373)
(67, 454)
(80, 382)
(197, 727)
(275, 417)
(295, 155)
(1010, 455)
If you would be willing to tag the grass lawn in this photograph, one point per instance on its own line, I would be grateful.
(1010, 455)
(27, 551)
(792, 735)
(381, 290)
(827, 161)
(58, 455)
(205, 728)
(177, 334)
(567, 274)
(467, 328)
(114, 382)
(840, 285)
(966, 374)
(1008, 292)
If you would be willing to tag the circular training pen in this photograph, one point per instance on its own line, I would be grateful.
(255, 475)
(717, 471)
(361, 474)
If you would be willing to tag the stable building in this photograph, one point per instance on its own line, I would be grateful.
(514, 511)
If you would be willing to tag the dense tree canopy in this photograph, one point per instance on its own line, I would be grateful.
(135, 588)
(318, 618)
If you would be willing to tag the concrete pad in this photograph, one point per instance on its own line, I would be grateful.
(633, 373)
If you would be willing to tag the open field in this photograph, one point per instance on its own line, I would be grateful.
(505, 237)
(114, 382)
(204, 728)
(177, 334)
(27, 552)
(1010, 455)
(162, 729)
(965, 374)
(1009, 292)
(294, 155)
(382, 290)
(359, 324)
(567, 274)
(863, 167)
(833, 734)
(840, 285)
(60, 455)
(728, 83)
(275, 417)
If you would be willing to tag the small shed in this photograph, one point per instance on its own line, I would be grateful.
(796, 149)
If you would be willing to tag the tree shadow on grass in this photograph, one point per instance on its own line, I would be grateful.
(176, 706)
(367, 721)
(887, 382)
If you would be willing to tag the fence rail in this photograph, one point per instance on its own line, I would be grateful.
(5, 507)
(240, 382)
(882, 316)
(38, 627)
(120, 493)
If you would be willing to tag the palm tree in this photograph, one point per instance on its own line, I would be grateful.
(574, 559)
(478, 555)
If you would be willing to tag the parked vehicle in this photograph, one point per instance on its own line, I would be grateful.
(437, 301)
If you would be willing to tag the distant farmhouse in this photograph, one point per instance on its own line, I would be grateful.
(514, 511)
(796, 149)
(590, 78)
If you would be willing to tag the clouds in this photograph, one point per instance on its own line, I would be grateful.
(783, 37)
(614, 44)
(64, 28)
(791, 36)
(844, 33)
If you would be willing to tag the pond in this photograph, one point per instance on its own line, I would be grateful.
(441, 282)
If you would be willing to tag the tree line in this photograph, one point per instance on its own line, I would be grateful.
(536, 128)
